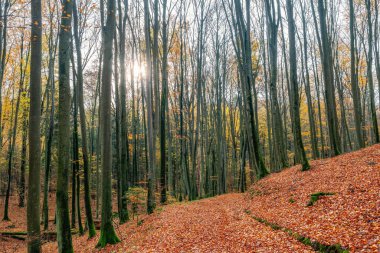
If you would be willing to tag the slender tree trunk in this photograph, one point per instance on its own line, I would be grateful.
(126, 175)
(376, 42)
(149, 102)
(310, 107)
(24, 96)
(79, 213)
(317, 85)
(121, 174)
(53, 42)
(48, 151)
(107, 232)
(164, 104)
(278, 140)
(25, 123)
(12, 137)
(63, 220)
(33, 204)
(184, 173)
(135, 122)
(294, 87)
(328, 74)
(75, 183)
(375, 127)
(83, 128)
(156, 75)
(98, 142)
(247, 79)
(4, 10)
(354, 80)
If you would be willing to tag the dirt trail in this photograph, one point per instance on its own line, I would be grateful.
(211, 225)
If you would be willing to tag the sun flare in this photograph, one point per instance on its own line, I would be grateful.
(139, 70)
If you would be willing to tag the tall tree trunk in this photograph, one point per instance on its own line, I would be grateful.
(310, 107)
(126, 175)
(63, 220)
(107, 232)
(33, 204)
(121, 175)
(52, 42)
(164, 103)
(98, 141)
(149, 102)
(25, 122)
(83, 128)
(354, 80)
(317, 85)
(4, 10)
(376, 42)
(156, 75)
(278, 140)
(12, 137)
(21, 202)
(75, 182)
(328, 74)
(184, 172)
(375, 127)
(135, 122)
(247, 81)
(294, 87)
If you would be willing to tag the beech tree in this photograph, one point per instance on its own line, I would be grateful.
(83, 125)
(294, 93)
(107, 232)
(354, 79)
(64, 51)
(124, 163)
(328, 75)
(149, 118)
(33, 204)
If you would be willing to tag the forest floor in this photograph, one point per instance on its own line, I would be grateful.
(275, 215)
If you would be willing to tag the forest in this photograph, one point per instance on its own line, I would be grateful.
(120, 117)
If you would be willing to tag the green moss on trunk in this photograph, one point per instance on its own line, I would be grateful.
(107, 236)
(124, 216)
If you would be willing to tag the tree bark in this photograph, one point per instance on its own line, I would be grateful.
(33, 204)
(164, 103)
(354, 80)
(107, 232)
(294, 87)
(149, 102)
(126, 175)
(83, 128)
(328, 74)
(62, 214)
(375, 127)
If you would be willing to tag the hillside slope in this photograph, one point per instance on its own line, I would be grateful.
(349, 217)
(211, 225)
(271, 217)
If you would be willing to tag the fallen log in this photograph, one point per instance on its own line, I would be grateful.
(22, 235)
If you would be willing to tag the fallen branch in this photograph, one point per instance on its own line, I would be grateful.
(22, 235)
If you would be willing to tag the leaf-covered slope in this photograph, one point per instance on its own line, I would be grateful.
(347, 211)
(209, 225)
